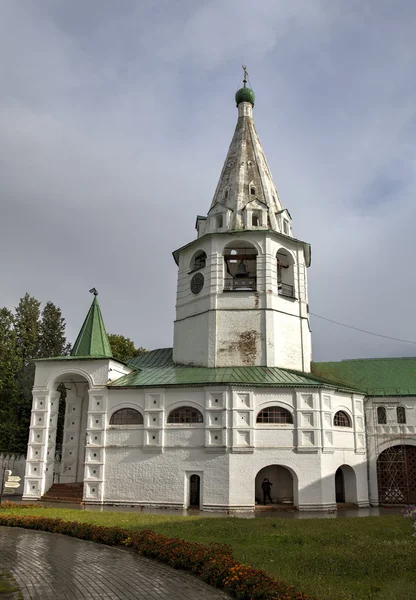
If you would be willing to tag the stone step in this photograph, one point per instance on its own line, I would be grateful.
(70, 500)
(64, 492)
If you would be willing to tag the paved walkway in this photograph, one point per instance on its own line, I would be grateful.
(50, 566)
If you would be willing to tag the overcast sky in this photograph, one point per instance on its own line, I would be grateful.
(115, 119)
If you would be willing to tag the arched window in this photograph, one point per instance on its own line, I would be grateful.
(185, 414)
(199, 260)
(274, 414)
(252, 191)
(381, 415)
(240, 267)
(126, 416)
(285, 274)
(341, 419)
(401, 415)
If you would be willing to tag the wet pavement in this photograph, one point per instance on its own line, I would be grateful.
(50, 566)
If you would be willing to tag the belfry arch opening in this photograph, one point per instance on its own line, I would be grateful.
(240, 267)
(285, 273)
(283, 488)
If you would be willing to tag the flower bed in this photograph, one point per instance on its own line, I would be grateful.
(213, 562)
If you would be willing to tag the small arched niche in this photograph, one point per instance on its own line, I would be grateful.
(285, 273)
(198, 261)
(240, 267)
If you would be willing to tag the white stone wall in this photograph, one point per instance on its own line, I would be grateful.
(219, 329)
(229, 449)
(84, 424)
(382, 436)
(151, 464)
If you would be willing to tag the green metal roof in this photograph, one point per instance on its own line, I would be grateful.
(92, 340)
(376, 376)
(156, 369)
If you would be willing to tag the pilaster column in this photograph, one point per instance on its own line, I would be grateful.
(95, 446)
(41, 446)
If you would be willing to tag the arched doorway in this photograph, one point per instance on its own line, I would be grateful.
(283, 489)
(71, 408)
(396, 475)
(345, 485)
(194, 491)
(339, 486)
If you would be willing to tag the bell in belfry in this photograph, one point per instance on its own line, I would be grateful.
(242, 269)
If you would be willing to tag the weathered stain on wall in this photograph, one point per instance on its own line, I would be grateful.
(245, 346)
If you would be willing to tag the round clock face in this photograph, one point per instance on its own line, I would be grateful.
(197, 283)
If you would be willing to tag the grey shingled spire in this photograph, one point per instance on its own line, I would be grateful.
(246, 183)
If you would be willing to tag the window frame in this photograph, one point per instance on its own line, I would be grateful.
(401, 420)
(276, 409)
(185, 408)
(344, 415)
(383, 420)
(131, 411)
(200, 256)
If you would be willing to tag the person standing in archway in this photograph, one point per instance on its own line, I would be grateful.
(266, 486)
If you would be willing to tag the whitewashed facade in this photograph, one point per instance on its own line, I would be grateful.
(242, 349)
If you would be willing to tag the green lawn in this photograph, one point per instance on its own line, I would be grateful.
(8, 587)
(334, 559)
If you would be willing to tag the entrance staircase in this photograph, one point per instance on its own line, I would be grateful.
(64, 492)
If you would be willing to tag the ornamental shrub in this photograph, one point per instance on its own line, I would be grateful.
(213, 562)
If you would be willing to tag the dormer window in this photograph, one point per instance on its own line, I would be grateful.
(286, 226)
(220, 221)
(255, 219)
(252, 191)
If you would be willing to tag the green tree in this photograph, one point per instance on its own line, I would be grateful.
(24, 336)
(9, 361)
(10, 365)
(123, 348)
(27, 327)
(52, 340)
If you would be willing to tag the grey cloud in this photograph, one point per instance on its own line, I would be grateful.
(115, 119)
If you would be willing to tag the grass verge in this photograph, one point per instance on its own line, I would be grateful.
(8, 587)
(372, 558)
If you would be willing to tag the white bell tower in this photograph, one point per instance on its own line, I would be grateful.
(242, 297)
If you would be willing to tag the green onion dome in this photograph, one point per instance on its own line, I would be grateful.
(245, 94)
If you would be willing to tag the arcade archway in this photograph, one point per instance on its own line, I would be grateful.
(396, 475)
(345, 485)
(283, 488)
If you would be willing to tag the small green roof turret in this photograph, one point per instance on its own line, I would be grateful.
(245, 94)
(92, 340)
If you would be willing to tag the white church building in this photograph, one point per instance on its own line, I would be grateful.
(237, 400)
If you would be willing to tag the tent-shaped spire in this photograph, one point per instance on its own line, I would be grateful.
(92, 340)
(246, 185)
